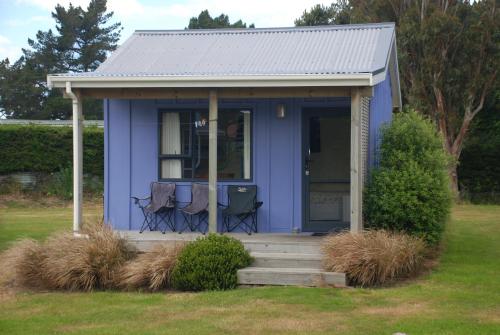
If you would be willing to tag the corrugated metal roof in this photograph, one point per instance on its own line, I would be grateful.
(346, 49)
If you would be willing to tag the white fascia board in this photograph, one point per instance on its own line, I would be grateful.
(395, 82)
(364, 79)
(391, 69)
(379, 77)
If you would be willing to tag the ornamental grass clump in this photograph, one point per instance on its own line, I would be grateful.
(151, 270)
(20, 265)
(84, 263)
(374, 257)
(66, 262)
(210, 263)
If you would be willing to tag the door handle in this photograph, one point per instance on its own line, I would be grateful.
(308, 161)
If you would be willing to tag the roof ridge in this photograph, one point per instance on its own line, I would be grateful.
(266, 30)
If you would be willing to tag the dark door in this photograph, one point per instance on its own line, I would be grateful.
(326, 169)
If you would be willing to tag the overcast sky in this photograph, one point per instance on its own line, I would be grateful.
(21, 19)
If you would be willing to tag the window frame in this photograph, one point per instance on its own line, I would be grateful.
(191, 112)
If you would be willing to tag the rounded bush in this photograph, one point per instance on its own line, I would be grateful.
(210, 263)
(409, 191)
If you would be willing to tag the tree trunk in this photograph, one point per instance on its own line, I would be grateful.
(452, 173)
(450, 144)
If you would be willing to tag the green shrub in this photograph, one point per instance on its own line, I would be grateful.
(409, 191)
(210, 263)
(9, 186)
(36, 148)
(61, 183)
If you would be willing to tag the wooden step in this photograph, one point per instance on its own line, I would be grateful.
(290, 276)
(286, 260)
(283, 247)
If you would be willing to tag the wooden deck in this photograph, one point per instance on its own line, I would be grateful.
(279, 259)
(292, 242)
(258, 237)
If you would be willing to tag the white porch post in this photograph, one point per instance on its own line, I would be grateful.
(77, 158)
(212, 162)
(356, 161)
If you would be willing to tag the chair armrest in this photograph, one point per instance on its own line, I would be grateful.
(136, 199)
(185, 203)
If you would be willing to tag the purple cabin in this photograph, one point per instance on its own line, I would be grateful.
(294, 111)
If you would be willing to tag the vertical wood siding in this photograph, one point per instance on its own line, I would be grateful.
(380, 114)
(131, 157)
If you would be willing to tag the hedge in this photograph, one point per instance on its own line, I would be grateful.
(38, 148)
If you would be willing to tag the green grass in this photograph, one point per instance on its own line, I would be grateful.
(460, 297)
(18, 221)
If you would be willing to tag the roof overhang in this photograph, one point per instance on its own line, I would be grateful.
(79, 81)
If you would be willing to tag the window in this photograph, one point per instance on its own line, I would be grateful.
(184, 144)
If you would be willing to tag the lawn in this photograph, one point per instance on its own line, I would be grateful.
(462, 296)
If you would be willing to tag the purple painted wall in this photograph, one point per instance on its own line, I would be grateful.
(380, 113)
(131, 162)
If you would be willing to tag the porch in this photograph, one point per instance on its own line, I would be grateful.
(278, 259)
(308, 164)
(298, 242)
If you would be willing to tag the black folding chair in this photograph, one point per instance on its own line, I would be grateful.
(198, 207)
(242, 208)
(158, 207)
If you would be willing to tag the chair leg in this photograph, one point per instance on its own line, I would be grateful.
(254, 222)
(168, 217)
(148, 221)
(186, 223)
(144, 225)
(203, 218)
(242, 222)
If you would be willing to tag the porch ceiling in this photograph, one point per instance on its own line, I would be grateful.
(223, 93)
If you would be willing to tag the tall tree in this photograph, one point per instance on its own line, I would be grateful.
(337, 13)
(205, 21)
(82, 41)
(449, 55)
(20, 96)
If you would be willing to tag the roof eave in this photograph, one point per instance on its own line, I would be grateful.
(359, 79)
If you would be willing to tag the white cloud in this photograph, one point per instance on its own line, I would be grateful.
(126, 8)
(264, 13)
(51, 4)
(14, 23)
(122, 8)
(9, 49)
(174, 14)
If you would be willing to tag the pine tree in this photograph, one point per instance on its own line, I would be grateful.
(82, 41)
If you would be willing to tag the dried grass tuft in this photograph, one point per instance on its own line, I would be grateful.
(151, 270)
(66, 262)
(375, 257)
(85, 263)
(20, 265)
